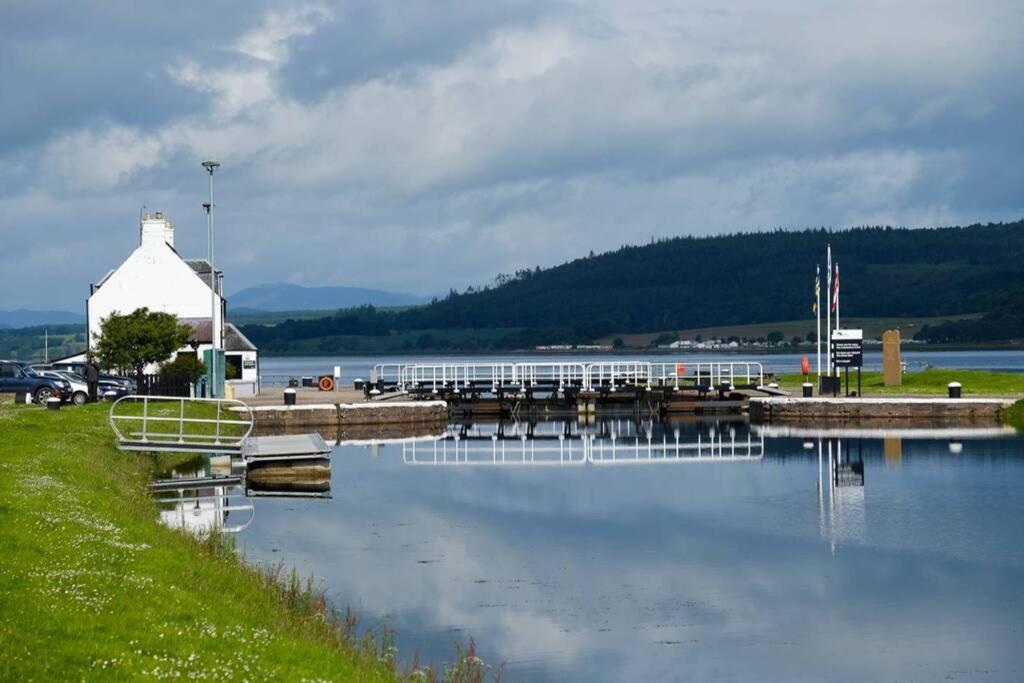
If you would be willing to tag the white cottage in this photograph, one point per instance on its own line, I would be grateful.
(155, 276)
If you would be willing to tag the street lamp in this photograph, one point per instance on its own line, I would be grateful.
(210, 167)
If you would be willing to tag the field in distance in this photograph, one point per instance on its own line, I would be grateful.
(873, 329)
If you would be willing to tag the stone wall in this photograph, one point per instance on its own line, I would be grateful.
(332, 418)
(911, 410)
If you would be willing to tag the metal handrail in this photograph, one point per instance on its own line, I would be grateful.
(714, 372)
(587, 376)
(236, 409)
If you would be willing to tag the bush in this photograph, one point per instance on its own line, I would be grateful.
(185, 365)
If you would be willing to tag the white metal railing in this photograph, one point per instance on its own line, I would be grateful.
(456, 376)
(585, 376)
(711, 373)
(565, 374)
(614, 372)
(162, 424)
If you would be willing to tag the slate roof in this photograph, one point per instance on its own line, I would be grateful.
(234, 340)
(201, 267)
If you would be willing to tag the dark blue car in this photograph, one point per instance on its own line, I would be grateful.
(19, 378)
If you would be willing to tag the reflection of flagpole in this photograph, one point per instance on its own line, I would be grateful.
(831, 501)
(821, 508)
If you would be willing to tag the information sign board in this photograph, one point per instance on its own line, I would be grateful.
(847, 348)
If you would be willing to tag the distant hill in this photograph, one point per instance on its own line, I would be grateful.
(691, 282)
(288, 297)
(26, 318)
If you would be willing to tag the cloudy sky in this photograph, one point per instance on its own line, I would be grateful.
(417, 146)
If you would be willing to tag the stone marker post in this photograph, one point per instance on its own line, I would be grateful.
(892, 366)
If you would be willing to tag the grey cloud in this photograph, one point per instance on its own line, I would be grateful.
(491, 138)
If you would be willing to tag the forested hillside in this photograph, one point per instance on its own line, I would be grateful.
(690, 282)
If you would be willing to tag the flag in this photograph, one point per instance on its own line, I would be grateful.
(817, 289)
(835, 290)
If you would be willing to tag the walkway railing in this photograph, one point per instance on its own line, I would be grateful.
(594, 376)
(172, 423)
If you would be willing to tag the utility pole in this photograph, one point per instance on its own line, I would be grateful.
(210, 167)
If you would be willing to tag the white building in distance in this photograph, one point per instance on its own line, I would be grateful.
(156, 277)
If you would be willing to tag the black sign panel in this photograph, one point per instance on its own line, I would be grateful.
(848, 353)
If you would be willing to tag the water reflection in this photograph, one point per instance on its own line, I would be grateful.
(570, 443)
(782, 557)
(215, 493)
(199, 504)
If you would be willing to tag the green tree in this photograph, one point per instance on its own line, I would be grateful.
(774, 337)
(617, 343)
(131, 342)
(185, 365)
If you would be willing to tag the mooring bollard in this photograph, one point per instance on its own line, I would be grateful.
(289, 397)
(53, 403)
(954, 389)
(808, 389)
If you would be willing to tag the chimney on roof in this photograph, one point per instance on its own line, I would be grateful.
(157, 230)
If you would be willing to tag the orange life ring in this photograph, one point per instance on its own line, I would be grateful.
(326, 383)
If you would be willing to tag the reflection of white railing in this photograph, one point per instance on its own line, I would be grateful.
(618, 443)
(163, 425)
(561, 375)
(710, 447)
(207, 510)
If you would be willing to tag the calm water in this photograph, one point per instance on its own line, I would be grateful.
(694, 551)
(280, 368)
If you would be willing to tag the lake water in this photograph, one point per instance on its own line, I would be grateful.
(278, 368)
(686, 551)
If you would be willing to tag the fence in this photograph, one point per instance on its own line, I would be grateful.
(164, 385)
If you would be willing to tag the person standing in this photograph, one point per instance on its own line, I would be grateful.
(91, 374)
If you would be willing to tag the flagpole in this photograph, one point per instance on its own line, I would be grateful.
(828, 316)
(837, 295)
(817, 312)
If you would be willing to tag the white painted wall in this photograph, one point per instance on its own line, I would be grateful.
(156, 277)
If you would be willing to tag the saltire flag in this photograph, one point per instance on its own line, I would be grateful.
(817, 289)
(835, 290)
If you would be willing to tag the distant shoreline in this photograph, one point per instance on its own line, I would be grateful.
(912, 348)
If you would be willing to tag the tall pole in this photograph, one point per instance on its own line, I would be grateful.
(817, 315)
(837, 295)
(828, 316)
(210, 167)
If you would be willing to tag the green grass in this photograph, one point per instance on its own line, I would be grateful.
(93, 586)
(929, 382)
(1015, 415)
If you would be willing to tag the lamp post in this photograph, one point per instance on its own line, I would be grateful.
(210, 167)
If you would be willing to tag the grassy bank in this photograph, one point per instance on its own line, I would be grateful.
(92, 585)
(1015, 415)
(929, 382)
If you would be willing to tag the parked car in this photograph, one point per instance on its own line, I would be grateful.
(79, 389)
(122, 385)
(19, 378)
